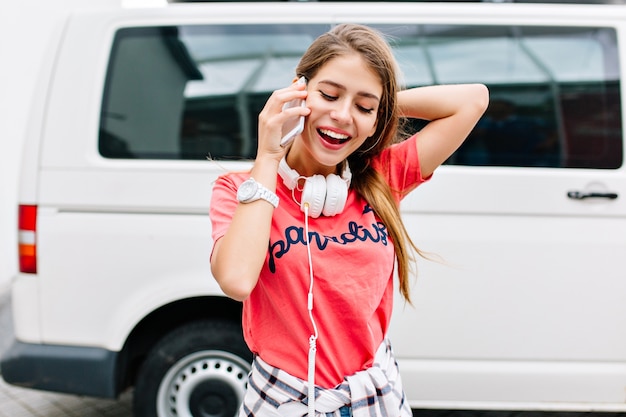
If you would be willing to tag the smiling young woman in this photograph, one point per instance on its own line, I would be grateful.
(320, 230)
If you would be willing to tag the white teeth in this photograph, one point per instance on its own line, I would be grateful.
(334, 135)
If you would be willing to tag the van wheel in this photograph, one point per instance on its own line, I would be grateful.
(198, 370)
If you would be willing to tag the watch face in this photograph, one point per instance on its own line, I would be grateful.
(247, 190)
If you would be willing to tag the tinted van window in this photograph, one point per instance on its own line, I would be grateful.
(194, 92)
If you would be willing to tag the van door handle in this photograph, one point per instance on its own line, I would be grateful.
(578, 195)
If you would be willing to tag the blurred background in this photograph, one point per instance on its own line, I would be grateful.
(24, 29)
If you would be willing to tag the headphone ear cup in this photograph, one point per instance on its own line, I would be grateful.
(314, 193)
(336, 195)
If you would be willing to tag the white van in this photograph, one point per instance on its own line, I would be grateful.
(138, 111)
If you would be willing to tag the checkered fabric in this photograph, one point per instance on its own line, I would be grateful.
(375, 392)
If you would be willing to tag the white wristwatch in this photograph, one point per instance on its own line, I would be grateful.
(250, 191)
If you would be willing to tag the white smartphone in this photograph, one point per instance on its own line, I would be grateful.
(294, 126)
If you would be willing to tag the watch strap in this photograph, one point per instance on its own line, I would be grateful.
(267, 195)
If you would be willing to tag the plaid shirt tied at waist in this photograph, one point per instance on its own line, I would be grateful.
(375, 392)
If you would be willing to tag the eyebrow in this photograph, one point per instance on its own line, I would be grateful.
(360, 93)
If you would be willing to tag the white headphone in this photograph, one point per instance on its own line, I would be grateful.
(324, 195)
(320, 195)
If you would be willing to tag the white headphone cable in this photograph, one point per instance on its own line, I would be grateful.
(313, 338)
(299, 188)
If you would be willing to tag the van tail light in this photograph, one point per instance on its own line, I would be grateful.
(27, 238)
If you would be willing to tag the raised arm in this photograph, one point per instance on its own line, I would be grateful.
(453, 111)
(238, 256)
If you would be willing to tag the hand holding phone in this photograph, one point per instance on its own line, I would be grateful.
(294, 126)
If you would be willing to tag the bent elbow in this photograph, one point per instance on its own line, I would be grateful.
(482, 98)
(237, 291)
(235, 284)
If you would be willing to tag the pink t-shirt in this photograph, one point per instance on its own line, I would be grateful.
(353, 263)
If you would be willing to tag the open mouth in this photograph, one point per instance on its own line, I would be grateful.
(333, 138)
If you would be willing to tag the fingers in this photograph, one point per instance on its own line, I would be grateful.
(281, 107)
(291, 98)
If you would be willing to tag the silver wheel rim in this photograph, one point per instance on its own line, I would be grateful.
(189, 372)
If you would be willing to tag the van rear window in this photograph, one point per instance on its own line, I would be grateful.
(194, 92)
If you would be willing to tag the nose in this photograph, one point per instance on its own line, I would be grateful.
(341, 112)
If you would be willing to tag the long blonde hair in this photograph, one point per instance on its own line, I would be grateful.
(349, 39)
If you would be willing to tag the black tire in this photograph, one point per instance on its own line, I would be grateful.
(197, 370)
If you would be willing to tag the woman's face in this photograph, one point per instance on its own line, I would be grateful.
(343, 97)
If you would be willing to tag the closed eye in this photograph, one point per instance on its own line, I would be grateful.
(365, 110)
(327, 96)
(362, 109)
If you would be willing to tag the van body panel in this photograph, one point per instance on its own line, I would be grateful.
(522, 305)
(127, 239)
(30, 157)
(138, 190)
(538, 386)
(25, 308)
(481, 304)
(519, 191)
(532, 330)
